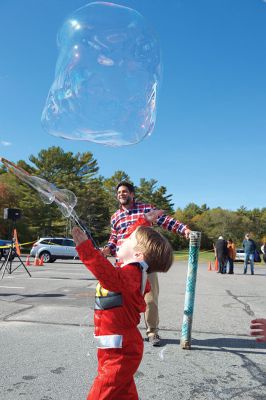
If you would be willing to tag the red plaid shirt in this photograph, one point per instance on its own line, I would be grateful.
(122, 219)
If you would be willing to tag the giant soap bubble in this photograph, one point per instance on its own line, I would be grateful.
(106, 78)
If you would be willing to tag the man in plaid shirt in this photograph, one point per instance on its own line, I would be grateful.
(121, 220)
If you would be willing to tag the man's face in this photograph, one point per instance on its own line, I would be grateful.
(124, 196)
(127, 248)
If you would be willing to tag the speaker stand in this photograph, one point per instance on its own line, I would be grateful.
(7, 263)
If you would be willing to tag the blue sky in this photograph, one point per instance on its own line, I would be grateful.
(209, 139)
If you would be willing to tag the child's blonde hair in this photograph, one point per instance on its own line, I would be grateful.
(156, 249)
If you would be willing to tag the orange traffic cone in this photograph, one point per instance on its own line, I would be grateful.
(210, 266)
(41, 261)
(28, 261)
(36, 261)
(216, 265)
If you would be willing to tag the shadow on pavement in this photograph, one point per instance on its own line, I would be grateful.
(226, 344)
(221, 344)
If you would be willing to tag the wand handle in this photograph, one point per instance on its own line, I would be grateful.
(194, 245)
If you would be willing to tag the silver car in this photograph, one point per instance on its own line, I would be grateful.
(52, 249)
(240, 255)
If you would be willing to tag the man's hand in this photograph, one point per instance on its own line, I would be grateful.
(79, 236)
(258, 328)
(187, 233)
(152, 215)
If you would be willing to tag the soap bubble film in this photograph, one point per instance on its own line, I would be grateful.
(106, 78)
(48, 192)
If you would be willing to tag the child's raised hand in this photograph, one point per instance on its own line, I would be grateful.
(152, 215)
(79, 236)
(105, 251)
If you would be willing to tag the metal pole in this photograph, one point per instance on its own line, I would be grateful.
(194, 245)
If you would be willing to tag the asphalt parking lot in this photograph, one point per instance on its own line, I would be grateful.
(47, 349)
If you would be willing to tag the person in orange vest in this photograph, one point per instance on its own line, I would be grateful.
(231, 248)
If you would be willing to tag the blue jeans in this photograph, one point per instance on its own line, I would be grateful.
(230, 265)
(222, 265)
(249, 257)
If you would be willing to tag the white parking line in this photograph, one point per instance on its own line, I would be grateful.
(13, 287)
(53, 278)
(62, 273)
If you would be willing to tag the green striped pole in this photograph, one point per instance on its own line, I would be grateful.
(194, 245)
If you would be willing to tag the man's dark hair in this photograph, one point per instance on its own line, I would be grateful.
(128, 185)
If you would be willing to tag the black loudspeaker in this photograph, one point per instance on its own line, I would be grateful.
(12, 213)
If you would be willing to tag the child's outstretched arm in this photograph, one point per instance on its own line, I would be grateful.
(258, 328)
(114, 279)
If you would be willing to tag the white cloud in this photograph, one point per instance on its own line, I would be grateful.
(4, 143)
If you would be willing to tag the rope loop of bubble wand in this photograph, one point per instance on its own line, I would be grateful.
(71, 213)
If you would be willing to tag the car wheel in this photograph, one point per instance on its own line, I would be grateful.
(46, 256)
(52, 259)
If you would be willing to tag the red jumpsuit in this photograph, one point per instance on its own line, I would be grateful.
(118, 304)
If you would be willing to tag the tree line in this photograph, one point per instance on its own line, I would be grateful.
(97, 201)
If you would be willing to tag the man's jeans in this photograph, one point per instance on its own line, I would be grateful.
(249, 257)
(222, 266)
(230, 265)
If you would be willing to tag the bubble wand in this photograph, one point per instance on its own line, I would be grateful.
(49, 193)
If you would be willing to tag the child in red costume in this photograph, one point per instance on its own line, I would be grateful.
(119, 302)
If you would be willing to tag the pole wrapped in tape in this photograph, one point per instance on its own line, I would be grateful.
(194, 246)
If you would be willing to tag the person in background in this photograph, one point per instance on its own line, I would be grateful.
(231, 249)
(221, 253)
(263, 250)
(249, 247)
(121, 221)
(258, 328)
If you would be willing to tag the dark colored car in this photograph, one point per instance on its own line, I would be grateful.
(4, 251)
